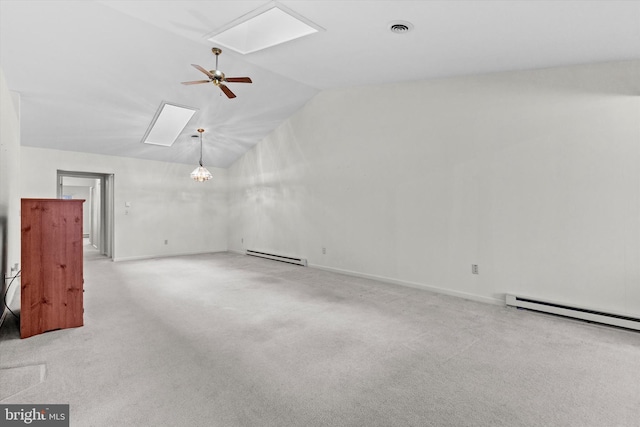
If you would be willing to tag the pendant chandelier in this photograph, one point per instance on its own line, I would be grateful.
(201, 173)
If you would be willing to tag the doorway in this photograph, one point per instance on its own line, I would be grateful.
(97, 191)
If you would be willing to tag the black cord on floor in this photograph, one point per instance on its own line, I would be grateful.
(4, 298)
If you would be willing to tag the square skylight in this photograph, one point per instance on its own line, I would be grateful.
(169, 121)
(265, 27)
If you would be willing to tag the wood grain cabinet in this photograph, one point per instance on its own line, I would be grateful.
(52, 275)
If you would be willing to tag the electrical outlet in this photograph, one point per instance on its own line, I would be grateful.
(13, 273)
(166, 242)
(324, 251)
(474, 269)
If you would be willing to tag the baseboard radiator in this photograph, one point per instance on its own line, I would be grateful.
(575, 312)
(276, 257)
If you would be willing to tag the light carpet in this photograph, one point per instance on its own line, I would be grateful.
(230, 340)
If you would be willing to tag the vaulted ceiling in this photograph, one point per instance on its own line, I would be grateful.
(91, 74)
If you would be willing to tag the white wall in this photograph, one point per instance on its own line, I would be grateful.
(534, 175)
(82, 192)
(165, 203)
(9, 187)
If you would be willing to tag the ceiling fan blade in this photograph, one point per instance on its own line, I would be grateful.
(227, 91)
(196, 82)
(211, 76)
(238, 80)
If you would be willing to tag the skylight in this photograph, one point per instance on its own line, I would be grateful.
(167, 124)
(265, 27)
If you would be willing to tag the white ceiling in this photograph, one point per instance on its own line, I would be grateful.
(92, 74)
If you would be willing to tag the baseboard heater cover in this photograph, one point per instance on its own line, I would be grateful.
(276, 257)
(575, 312)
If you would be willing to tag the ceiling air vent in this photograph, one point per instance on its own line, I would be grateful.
(400, 27)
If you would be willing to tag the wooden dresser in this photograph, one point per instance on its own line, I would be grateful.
(52, 275)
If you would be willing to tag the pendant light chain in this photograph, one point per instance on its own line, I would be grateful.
(200, 131)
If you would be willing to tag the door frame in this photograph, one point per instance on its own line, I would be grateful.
(106, 204)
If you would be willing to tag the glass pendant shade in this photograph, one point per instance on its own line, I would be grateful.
(201, 174)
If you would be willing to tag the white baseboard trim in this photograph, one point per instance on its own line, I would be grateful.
(459, 294)
(142, 257)
(435, 289)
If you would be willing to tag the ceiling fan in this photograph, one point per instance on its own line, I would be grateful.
(217, 77)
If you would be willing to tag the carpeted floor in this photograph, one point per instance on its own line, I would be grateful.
(230, 340)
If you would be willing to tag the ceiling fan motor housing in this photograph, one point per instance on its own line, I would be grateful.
(218, 76)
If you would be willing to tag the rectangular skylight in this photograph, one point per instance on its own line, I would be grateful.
(267, 26)
(167, 124)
